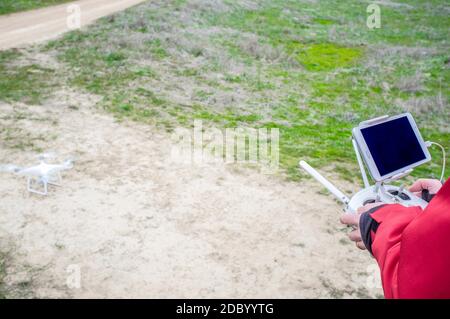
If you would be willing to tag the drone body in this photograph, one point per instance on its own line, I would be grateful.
(41, 175)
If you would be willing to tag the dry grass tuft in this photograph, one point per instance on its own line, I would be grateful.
(424, 104)
(392, 4)
(411, 84)
(385, 53)
(252, 45)
(216, 6)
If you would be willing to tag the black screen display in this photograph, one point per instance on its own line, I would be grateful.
(393, 145)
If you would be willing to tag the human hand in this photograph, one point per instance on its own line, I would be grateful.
(432, 185)
(352, 219)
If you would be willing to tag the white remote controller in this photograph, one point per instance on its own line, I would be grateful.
(390, 147)
(388, 194)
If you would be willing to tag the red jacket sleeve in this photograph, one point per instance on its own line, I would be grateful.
(411, 247)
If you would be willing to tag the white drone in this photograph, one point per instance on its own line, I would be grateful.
(41, 175)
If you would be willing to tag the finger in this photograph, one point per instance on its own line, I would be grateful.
(418, 185)
(355, 235)
(432, 185)
(350, 219)
(361, 245)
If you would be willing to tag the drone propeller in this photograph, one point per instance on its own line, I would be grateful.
(68, 163)
(44, 156)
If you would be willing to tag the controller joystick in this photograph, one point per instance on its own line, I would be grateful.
(401, 194)
(369, 201)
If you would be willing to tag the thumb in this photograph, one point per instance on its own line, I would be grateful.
(417, 186)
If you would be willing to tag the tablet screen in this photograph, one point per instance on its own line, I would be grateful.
(393, 145)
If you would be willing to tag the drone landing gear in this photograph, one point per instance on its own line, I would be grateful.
(40, 185)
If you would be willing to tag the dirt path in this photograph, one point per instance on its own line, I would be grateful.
(140, 225)
(23, 28)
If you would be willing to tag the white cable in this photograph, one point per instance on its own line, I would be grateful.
(429, 143)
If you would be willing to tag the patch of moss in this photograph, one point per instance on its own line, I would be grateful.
(323, 21)
(326, 56)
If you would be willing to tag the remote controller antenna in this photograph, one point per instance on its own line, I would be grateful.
(333, 189)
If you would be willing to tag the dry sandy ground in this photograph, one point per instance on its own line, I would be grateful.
(138, 224)
(39, 25)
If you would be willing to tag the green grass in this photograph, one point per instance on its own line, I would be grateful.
(311, 69)
(28, 83)
(18, 289)
(11, 6)
(327, 56)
